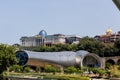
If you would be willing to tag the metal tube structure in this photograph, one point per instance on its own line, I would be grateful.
(64, 58)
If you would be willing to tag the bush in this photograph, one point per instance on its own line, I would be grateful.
(95, 70)
(38, 69)
(101, 72)
(115, 72)
(107, 65)
(70, 70)
(27, 69)
(50, 68)
(98, 71)
(16, 68)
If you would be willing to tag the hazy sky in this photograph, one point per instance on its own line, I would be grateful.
(80, 17)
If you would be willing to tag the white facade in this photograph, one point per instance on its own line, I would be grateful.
(31, 41)
(43, 39)
(55, 39)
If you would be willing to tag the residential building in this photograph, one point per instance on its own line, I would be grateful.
(108, 37)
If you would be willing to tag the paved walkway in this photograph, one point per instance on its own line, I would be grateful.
(98, 79)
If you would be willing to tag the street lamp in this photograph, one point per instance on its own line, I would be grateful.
(117, 3)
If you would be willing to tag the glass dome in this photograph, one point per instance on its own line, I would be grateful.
(43, 33)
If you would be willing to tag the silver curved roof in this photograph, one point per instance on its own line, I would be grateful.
(49, 54)
(82, 53)
(65, 58)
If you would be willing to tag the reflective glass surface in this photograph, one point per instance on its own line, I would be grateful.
(43, 33)
(22, 57)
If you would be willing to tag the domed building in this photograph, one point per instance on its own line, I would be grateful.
(37, 40)
(43, 39)
(108, 32)
(109, 37)
(43, 33)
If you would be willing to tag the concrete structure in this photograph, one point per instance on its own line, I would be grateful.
(66, 58)
(54, 39)
(37, 40)
(112, 60)
(108, 37)
(48, 40)
(72, 39)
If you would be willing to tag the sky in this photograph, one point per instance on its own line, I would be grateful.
(70, 17)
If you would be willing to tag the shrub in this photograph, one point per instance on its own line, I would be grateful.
(27, 69)
(16, 68)
(107, 65)
(70, 70)
(115, 72)
(98, 71)
(38, 69)
(95, 70)
(50, 68)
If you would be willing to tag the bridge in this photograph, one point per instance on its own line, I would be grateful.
(112, 60)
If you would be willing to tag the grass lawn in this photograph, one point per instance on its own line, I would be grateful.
(47, 76)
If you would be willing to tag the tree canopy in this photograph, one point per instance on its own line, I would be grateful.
(7, 57)
(89, 44)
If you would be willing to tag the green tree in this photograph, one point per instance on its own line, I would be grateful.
(69, 47)
(60, 47)
(91, 45)
(117, 45)
(53, 49)
(43, 48)
(110, 51)
(7, 57)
